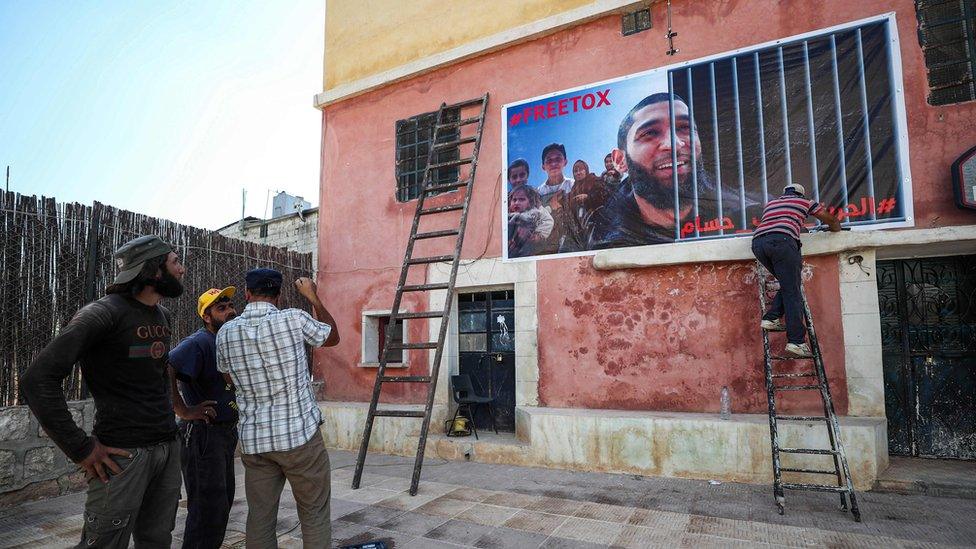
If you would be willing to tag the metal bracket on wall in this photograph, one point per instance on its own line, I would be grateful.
(671, 34)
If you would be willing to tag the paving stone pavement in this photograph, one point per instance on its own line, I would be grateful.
(463, 504)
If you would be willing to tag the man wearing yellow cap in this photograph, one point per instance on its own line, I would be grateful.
(208, 424)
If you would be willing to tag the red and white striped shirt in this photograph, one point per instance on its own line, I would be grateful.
(786, 214)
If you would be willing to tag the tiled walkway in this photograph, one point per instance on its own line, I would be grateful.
(496, 506)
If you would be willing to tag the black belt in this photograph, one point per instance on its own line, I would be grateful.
(228, 423)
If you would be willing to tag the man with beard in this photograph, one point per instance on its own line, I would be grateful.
(121, 341)
(642, 210)
(205, 403)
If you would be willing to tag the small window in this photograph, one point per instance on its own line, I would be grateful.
(394, 331)
(413, 142)
(376, 328)
(947, 34)
(635, 21)
(264, 230)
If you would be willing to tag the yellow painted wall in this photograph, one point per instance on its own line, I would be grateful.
(366, 37)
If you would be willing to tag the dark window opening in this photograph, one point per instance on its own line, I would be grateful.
(947, 34)
(395, 332)
(635, 21)
(264, 230)
(413, 142)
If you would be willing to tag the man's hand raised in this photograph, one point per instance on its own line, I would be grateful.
(100, 458)
(306, 287)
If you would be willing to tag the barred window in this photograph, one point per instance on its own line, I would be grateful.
(413, 138)
(947, 34)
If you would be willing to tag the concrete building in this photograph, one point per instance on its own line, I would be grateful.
(293, 226)
(616, 358)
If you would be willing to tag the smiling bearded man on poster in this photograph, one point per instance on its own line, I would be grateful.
(642, 210)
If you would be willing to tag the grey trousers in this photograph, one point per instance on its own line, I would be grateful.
(307, 470)
(138, 503)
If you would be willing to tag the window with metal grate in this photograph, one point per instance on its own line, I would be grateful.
(635, 21)
(413, 138)
(947, 34)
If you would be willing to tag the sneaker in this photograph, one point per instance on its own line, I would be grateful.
(798, 350)
(773, 325)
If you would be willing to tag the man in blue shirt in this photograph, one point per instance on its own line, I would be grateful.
(209, 424)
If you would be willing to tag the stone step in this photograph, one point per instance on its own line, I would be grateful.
(931, 477)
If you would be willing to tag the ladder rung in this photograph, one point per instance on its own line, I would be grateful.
(796, 387)
(801, 418)
(405, 379)
(447, 186)
(817, 451)
(441, 209)
(812, 471)
(811, 374)
(424, 345)
(462, 122)
(467, 103)
(449, 163)
(449, 144)
(422, 314)
(399, 413)
(815, 487)
(777, 357)
(425, 287)
(432, 259)
(435, 234)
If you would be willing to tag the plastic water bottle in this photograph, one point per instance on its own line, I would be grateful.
(726, 407)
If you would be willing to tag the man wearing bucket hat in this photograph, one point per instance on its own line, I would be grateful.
(205, 404)
(776, 244)
(121, 341)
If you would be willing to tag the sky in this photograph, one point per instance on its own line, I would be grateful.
(164, 108)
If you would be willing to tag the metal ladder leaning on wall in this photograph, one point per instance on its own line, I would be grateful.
(844, 486)
(441, 127)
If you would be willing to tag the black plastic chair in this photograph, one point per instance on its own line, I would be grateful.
(468, 401)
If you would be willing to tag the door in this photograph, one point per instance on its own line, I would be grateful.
(928, 332)
(486, 349)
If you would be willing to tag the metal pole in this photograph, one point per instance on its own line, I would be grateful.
(91, 269)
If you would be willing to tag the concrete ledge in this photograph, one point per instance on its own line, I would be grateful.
(686, 445)
(488, 44)
(343, 424)
(946, 478)
(903, 242)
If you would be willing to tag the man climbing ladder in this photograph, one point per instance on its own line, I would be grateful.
(776, 244)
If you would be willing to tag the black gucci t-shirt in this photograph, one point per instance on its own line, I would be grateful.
(122, 345)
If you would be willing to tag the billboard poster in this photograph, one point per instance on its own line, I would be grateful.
(694, 151)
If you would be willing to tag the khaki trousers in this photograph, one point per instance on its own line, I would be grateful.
(307, 470)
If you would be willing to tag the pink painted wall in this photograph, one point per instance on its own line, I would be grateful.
(669, 338)
(607, 339)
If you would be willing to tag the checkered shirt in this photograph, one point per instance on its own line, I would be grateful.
(263, 351)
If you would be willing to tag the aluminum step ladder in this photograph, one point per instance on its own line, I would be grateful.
(453, 130)
(801, 381)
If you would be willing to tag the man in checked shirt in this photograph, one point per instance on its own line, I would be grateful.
(262, 352)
